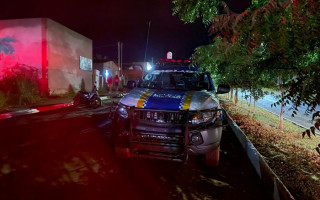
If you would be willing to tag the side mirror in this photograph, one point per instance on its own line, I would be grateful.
(223, 89)
(131, 84)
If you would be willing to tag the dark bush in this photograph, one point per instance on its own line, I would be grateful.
(20, 85)
(3, 100)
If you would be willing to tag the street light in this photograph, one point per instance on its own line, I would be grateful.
(107, 73)
(149, 67)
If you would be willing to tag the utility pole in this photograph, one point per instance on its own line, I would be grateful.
(145, 53)
(121, 53)
(119, 56)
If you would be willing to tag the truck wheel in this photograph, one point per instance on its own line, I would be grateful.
(122, 152)
(212, 157)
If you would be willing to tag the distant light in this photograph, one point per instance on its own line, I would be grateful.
(149, 67)
(107, 73)
(169, 55)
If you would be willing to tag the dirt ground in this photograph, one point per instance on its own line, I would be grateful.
(298, 167)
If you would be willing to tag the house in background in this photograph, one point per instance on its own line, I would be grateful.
(62, 57)
(134, 70)
(103, 70)
(130, 71)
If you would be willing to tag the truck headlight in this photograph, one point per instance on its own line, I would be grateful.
(123, 111)
(204, 117)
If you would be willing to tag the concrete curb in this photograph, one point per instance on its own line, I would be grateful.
(104, 98)
(34, 110)
(40, 109)
(273, 184)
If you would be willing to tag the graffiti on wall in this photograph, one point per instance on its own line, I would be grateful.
(20, 45)
(5, 46)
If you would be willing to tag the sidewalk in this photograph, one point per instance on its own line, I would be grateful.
(51, 104)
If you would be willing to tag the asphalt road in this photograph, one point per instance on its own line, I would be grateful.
(300, 118)
(66, 154)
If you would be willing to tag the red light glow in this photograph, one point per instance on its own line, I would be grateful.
(24, 43)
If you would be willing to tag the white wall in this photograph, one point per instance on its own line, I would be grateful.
(65, 47)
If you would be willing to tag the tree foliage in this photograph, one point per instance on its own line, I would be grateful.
(190, 10)
(272, 38)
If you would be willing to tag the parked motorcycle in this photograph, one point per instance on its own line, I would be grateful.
(91, 99)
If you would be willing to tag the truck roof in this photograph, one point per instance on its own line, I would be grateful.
(175, 68)
(175, 65)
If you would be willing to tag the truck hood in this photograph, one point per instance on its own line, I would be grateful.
(170, 99)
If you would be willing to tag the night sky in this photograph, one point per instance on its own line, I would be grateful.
(108, 21)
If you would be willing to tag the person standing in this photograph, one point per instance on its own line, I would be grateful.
(109, 81)
(116, 82)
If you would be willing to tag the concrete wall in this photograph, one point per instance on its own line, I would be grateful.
(21, 45)
(65, 47)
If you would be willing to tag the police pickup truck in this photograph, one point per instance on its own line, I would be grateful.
(172, 113)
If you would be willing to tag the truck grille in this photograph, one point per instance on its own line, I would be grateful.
(161, 117)
(168, 144)
(159, 138)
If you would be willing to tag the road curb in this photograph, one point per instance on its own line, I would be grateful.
(34, 110)
(271, 181)
(104, 98)
(28, 111)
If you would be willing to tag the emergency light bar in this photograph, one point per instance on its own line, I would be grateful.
(174, 60)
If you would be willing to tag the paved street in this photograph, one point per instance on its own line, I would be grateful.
(67, 154)
(300, 119)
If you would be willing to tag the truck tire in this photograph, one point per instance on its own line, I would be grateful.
(212, 157)
(122, 152)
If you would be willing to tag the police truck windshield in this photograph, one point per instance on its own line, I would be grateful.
(173, 80)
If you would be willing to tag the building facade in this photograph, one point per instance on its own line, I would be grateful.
(61, 56)
(134, 70)
(103, 70)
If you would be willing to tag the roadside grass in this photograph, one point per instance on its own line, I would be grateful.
(65, 95)
(293, 158)
(272, 120)
(43, 100)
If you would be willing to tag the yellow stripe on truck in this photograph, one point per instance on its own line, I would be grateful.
(142, 99)
(187, 101)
